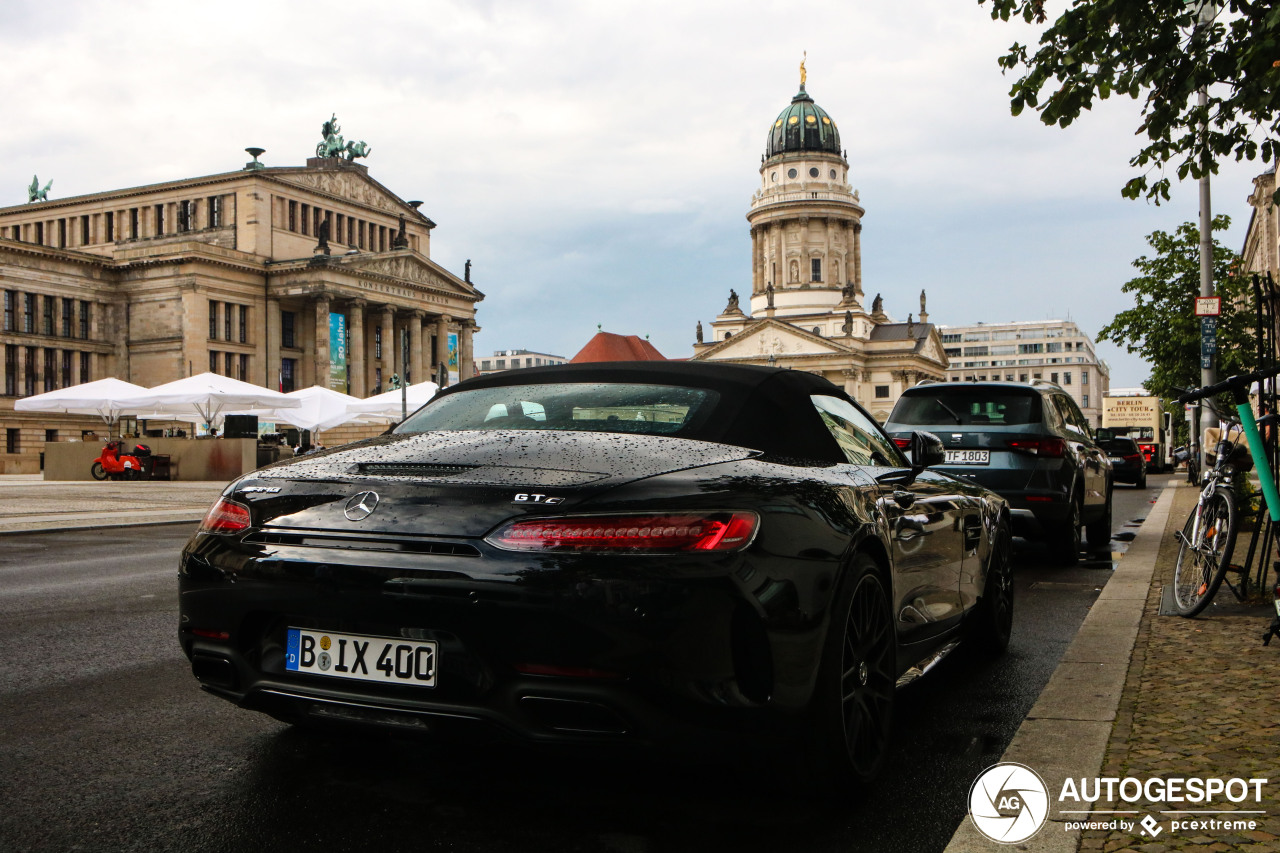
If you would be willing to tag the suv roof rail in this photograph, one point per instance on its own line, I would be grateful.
(925, 381)
(1045, 382)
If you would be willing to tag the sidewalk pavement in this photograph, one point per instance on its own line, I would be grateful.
(28, 503)
(1142, 695)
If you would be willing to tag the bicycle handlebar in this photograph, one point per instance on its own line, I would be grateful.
(1228, 384)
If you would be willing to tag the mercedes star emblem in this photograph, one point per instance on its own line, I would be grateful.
(361, 506)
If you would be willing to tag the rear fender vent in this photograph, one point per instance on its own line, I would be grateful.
(410, 469)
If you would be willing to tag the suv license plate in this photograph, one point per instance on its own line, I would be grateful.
(390, 660)
(968, 457)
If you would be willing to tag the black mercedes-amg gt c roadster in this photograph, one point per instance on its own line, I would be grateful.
(628, 552)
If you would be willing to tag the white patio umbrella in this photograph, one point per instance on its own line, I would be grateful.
(320, 409)
(107, 398)
(387, 405)
(209, 396)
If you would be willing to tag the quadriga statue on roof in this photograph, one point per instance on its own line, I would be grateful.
(335, 146)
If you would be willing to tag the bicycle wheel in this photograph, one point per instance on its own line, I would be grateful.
(1203, 563)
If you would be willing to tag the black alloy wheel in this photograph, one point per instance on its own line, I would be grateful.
(1067, 540)
(1098, 531)
(994, 617)
(851, 714)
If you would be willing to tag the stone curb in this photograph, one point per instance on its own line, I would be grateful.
(80, 526)
(1067, 731)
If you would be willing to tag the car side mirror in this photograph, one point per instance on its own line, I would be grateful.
(926, 450)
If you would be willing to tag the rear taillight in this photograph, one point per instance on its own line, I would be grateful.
(1049, 447)
(633, 533)
(225, 517)
(903, 443)
(1132, 457)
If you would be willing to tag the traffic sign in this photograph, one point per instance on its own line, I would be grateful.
(1208, 306)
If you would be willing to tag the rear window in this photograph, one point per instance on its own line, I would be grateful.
(576, 406)
(968, 406)
(1119, 445)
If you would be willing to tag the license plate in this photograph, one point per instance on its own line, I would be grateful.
(968, 457)
(390, 660)
(1116, 458)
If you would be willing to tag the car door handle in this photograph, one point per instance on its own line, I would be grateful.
(904, 499)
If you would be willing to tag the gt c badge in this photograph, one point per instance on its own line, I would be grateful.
(536, 499)
(361, 506)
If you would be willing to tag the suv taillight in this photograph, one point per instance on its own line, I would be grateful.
(1048, 447)
(903, 443)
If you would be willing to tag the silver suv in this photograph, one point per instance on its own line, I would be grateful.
(1027, 443)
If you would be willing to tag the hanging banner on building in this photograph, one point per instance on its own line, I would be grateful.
(453, 358)
(338, 352)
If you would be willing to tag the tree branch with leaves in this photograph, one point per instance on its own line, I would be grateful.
(1162, 326)
(1154, 50)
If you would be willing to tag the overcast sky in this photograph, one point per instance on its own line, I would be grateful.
(596, 160)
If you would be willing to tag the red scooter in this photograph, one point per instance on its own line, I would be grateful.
(119, 466)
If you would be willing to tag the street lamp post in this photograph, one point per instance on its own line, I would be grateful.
(1207, 10)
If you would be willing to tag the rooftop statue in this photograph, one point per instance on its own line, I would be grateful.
(35, 193)
(334, 145)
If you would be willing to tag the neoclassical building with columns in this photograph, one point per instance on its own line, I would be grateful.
(808, 307)
(249, 273)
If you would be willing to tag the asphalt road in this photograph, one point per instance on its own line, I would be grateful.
(107, 744)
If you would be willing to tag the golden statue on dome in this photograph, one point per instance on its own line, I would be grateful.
(803, 74)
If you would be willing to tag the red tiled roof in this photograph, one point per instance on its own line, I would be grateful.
(606, 346)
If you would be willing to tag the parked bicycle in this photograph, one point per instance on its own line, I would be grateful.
(1207, 539)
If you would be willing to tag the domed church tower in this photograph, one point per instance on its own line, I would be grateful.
(806, 223)
(807, 308)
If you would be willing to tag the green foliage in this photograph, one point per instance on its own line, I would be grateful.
(1162, 326)
(1153, 49)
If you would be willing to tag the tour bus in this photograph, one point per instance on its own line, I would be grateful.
(1138, 415)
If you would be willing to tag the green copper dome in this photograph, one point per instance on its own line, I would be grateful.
(803, 126)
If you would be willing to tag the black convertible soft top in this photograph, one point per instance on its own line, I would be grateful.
(763, 408)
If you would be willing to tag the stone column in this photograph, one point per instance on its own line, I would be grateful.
(415, 346)
(272, 341)
(757, 260)
(466, 357)
(387, 321)
(857, 256)
(442, 342)
(321, 348)
(356, 354)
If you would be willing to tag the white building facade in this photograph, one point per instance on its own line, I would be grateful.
(511, 359)
(1052, 350)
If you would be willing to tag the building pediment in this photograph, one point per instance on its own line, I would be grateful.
(773, 337)
(932, 348)
(350, 185)
(411, 267)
